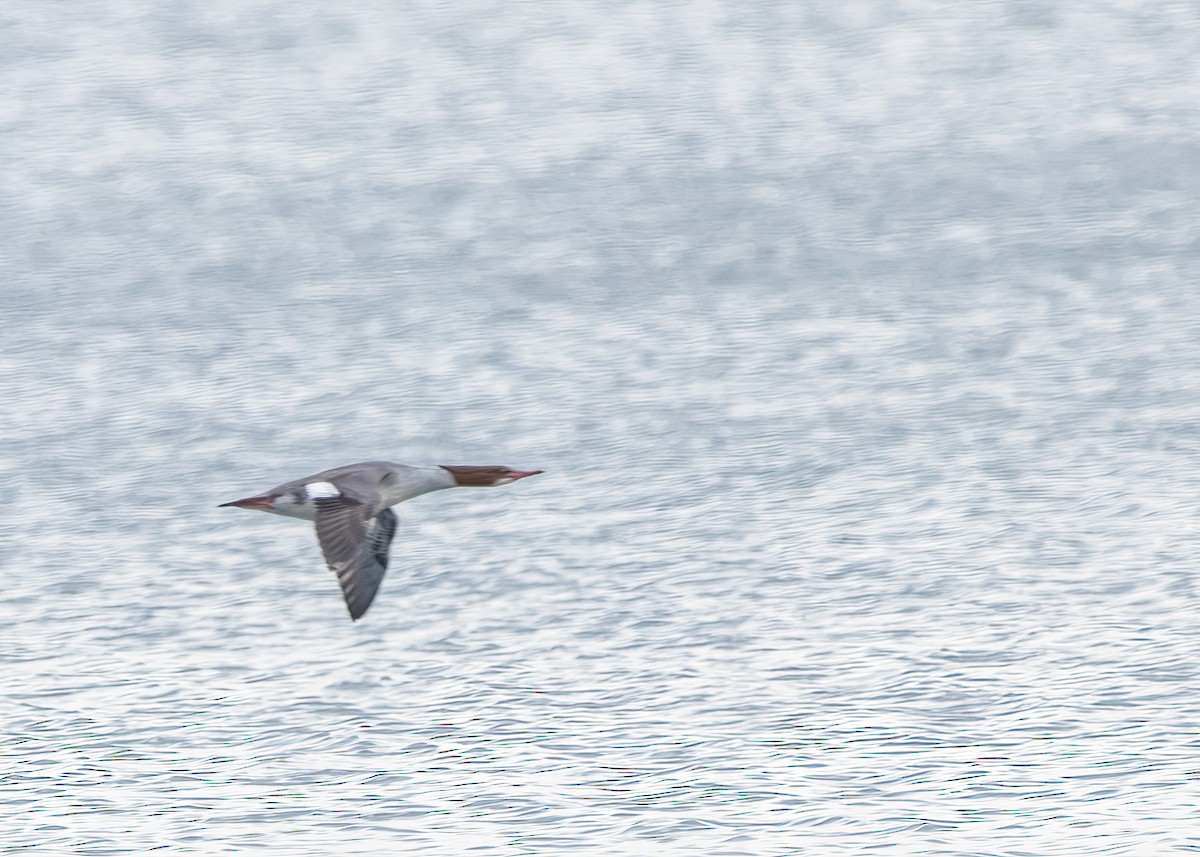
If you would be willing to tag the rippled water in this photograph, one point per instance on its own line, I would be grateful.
(860, 346)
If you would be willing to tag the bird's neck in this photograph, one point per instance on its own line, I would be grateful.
(415, 481)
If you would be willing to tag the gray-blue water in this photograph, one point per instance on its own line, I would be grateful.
(860, 343)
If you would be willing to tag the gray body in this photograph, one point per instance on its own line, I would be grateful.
(377, 485)
(352, 509)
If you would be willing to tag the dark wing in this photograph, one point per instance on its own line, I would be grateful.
(355, 545)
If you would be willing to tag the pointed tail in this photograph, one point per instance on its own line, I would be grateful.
(265, 503)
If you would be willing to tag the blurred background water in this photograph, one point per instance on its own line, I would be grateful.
(858, 340)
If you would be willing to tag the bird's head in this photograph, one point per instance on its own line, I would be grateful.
(475, 476)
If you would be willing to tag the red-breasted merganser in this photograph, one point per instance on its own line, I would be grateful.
(351, 506)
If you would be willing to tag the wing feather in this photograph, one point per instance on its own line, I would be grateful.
(355, 544)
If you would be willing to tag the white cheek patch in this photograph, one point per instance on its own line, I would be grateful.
(321, 490)
(504, 480)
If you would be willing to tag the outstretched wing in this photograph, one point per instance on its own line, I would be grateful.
(355, 545)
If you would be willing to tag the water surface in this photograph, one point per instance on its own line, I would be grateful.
(859, 346)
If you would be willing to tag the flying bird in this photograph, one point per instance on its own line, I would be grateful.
(351, 506)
